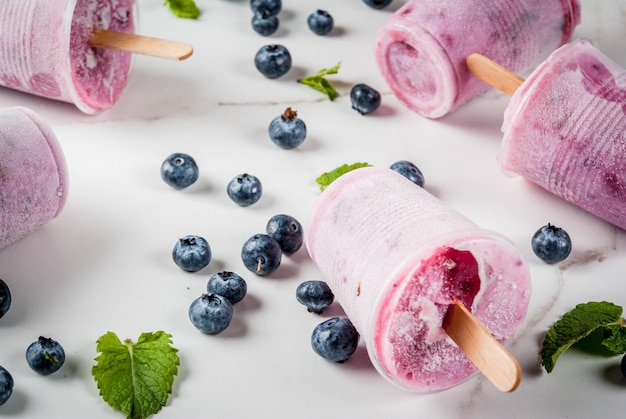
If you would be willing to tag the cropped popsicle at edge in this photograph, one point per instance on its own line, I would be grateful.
(565, 127)
(76, 51)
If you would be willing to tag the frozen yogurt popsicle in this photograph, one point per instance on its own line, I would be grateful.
(421, 50)
(565, 130)
(47, 49)
(33, 174)
(397, 258)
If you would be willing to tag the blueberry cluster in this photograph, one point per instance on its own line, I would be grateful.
(262, 253)
(274, 60)
(336, 338)
(212, 312)
(44, 356)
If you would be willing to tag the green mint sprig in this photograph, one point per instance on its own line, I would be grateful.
(136, 378)
(327, 178)
(603, 319)
(183, 8)
(318, 82)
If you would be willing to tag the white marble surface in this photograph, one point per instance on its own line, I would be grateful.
(104, 264)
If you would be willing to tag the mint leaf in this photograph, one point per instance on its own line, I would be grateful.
(579, 323)
(136, 378)
(318, 82)
(327, 178)
(183, 8)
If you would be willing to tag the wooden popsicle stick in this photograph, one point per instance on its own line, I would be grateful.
(494, 74)
(489, 356)
(138, 44)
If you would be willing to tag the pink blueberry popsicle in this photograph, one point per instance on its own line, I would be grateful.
(396, 258)
(33, 174)
(44, 50)
(565, 130)
(421, 50)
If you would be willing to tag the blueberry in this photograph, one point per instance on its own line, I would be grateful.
(245, 189)
(622, 368)
(316, 296)
(409, 171)
(211, 313)
(551, 244)
(191, 253)
(227, 284)
(335, 339)
(365, 99)
(261, 254)
(179, 170)
(287, 231)
(377, 4)
(6, 385)
(5, 298)
(271, 7)
(45, 356)
(320, 22)
(273, 60)
(287, 130)
(264, 24)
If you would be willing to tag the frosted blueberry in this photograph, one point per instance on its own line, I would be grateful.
(335, 339)
(287, 231)
(316, 296)
(287, 130)
(261, 254)
(271, 7)
(227, 284)
(192, 253)
(264, 24)
(273, 60)
(211, 313)
(320, 22)
(365, 99)
(179, 170)
(6, 385)
(245, 189)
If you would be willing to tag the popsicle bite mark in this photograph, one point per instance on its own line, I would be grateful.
(409, 330)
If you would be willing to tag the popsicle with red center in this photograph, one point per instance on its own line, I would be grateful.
(417, 279)
(421, 50)
(76, 51)
(565, 126)
(33, 174)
